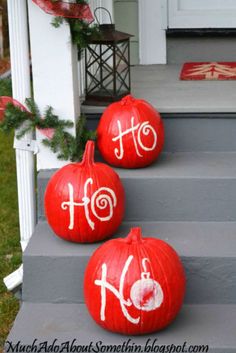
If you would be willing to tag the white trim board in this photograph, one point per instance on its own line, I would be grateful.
(55, 75)
(201, 14)
(152, 31)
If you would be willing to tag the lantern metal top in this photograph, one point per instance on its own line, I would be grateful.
(108, 33)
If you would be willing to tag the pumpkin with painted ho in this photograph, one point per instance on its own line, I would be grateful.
(130, 133)
(84, 202)
(134, 285)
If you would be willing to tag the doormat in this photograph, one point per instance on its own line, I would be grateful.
(208, 71)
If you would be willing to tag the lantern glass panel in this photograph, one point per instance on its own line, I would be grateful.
(122, 68)
(100, 70)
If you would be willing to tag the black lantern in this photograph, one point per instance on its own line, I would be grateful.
(107, 66)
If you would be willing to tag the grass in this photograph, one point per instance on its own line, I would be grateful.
(10, 251)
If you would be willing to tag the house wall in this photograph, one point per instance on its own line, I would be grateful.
(147, 20)
(126, 20)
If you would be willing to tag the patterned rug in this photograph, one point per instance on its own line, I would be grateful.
(208, 71)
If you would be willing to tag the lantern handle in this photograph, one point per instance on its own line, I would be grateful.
(101, 8)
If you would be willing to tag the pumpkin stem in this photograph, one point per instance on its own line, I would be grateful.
(135, 235)
(127, 99)
(88, 156)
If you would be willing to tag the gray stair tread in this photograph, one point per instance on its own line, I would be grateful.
(196, 324)
(200, 165)
(185, 186)
(188, 165)
(160, 85)
(190, 239)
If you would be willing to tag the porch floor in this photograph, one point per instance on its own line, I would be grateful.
(160, 85)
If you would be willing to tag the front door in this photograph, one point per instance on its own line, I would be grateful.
(202, 13)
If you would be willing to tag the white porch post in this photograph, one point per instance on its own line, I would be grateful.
(55, 74)
(152, 31)
(20, 67)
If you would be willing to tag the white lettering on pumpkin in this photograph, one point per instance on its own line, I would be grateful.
(99, 200)
(142, 129)
(146, 294)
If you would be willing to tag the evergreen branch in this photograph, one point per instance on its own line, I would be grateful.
(14, 117)
(30, 103)
(26, 128)
(62, 143)
(81, 31)
(57, 21)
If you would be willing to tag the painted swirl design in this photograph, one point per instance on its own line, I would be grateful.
(146, 129)
(104, 198)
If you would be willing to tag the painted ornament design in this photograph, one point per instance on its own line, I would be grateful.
(103, 198)
(146, 294)
(142, 129)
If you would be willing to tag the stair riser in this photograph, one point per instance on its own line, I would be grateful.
(60, 280)
(193, 132)
(172, 199)
(184, 49)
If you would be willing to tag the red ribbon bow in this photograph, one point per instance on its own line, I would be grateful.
(4, 101)
(65, 9)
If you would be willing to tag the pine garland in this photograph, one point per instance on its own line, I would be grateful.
(81, 31)
(65, 145)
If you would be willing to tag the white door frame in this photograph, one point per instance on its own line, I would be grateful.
(152, 31)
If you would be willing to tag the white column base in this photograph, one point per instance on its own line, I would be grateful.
(15, 279)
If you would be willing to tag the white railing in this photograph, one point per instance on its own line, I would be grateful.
(20, 68)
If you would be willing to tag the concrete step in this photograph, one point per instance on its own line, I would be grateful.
(54, 269)
(178, 187)
(184, 48)
(212, 325)
(189, 132)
